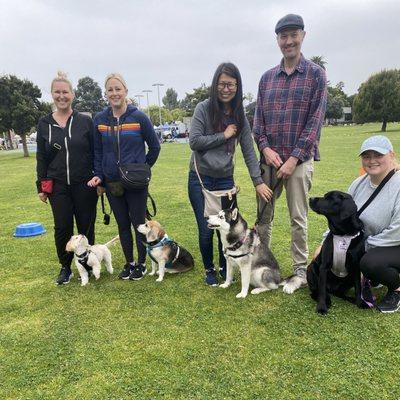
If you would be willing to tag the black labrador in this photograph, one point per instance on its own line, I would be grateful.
(323, 277)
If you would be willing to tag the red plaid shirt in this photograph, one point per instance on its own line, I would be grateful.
(290, 110)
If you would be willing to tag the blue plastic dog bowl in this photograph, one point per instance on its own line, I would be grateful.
(29, 229)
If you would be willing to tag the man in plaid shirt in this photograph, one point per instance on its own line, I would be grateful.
(290, 111)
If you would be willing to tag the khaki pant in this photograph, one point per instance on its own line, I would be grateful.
(297, 188)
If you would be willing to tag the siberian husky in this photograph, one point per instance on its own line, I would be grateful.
(242, 248)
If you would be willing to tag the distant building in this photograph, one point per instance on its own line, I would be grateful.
(346, 117)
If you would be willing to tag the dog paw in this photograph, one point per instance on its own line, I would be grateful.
(84, 283)
(241, 295)
(159, 280)
(224, 285)
(322, 310)
(289, 288)
(151, 273)
(257, 291)
(293, 284)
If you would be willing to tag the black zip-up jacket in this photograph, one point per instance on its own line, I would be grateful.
(65, 154)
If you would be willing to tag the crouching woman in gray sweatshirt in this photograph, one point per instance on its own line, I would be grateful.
(218, 125)
(381, 262)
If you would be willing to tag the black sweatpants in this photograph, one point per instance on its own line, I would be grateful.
(130, 209)
(67, 202)
(382, 265)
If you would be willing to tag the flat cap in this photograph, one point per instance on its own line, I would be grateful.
(289, 21)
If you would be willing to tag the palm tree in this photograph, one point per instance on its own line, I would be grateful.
(319, 60)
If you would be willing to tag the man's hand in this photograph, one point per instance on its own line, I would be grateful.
(272, 157)
(264, 192)
(317, 251)
(287, 169)
(43, 197)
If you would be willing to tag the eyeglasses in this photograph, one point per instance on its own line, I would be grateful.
(230, 85)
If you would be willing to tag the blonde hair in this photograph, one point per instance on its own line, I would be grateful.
(396, 163)
(118, 77)
(62, 77)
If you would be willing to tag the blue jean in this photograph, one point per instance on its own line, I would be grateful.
(197, 201)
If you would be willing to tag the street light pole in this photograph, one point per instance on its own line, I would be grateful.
(138, 96)
(159, 103)
(147, 91)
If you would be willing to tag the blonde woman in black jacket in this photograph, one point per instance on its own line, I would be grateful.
(64, 165)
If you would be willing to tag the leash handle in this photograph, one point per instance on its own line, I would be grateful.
(149, 215)
(106, 216)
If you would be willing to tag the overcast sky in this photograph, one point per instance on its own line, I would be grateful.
(180, 43)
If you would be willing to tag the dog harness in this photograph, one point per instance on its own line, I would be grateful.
(175, 249)
(340, 247)
(83, 259)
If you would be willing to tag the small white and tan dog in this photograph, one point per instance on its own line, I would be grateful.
(164, 252)
(88, 258)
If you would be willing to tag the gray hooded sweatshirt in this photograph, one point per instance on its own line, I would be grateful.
(214, 154)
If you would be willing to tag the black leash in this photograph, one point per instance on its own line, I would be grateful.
(106, 218)
(274, 187)
(149, 215)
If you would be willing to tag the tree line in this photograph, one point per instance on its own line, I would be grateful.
(377, 100)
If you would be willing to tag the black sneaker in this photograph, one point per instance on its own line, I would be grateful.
(390, 303)
(138, 272)
(64, 276)
(211, 277)
(124, 274)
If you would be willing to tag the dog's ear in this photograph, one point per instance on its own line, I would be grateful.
(348, 208)
(234, 214)
(357, 223)
(161, 233)
(69, 247)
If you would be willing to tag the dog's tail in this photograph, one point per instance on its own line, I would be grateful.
(112, 241)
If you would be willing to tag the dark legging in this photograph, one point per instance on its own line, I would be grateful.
(382, 265)
(197, 201)
(130, 209)
(68, 202)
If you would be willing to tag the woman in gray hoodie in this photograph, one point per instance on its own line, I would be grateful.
(218, 125)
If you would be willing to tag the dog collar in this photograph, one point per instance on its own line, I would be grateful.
(158, 242)
(238, 244)
(238, 256)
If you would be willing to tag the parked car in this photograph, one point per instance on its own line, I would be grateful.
(167, 134)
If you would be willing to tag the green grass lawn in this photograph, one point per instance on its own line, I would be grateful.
(180, 339)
